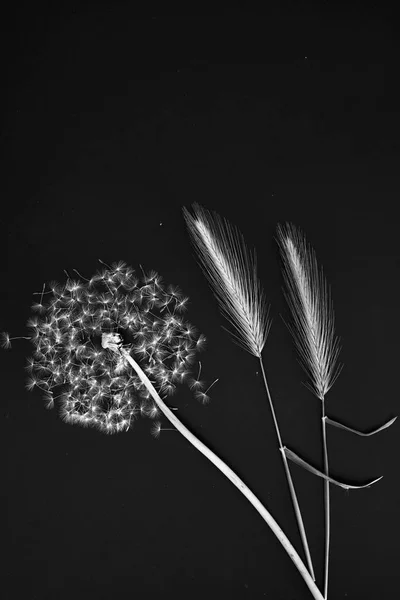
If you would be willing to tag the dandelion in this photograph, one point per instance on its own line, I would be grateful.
(67, 334)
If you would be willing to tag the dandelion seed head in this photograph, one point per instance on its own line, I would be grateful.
(76, 335)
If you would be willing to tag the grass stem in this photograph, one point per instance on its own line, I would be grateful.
(293, 495)
(326, 502)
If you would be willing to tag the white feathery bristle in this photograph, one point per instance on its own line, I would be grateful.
(309, 300)
(231, 271)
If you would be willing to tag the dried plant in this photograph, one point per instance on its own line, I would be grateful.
(116, 348)
(313, 330)
(98, 389)
(314, 333)
(311, 306)
(232, 273)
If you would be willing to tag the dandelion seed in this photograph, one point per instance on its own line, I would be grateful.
(156, 429)
(73, 286)
(209, 387)
(201, 342)
(32, 323)
(119, 266)
(152, 411)
(31, 383)
(202, 397)
(41, 297)
(30, 364)
(56, 288)
(195, 384)
(5, 340)
(49, 400)
(38, 307)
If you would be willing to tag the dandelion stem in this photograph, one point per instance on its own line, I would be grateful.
(326, 502)
(295, 502)
(227, 471)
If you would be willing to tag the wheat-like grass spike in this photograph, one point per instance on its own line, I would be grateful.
(231, 270)
(309, 300)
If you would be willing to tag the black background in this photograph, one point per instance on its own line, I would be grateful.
(117, 118)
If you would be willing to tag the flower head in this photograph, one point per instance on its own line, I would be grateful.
(81, 325)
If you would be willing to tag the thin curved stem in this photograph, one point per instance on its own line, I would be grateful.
(231, 475)
(326, 502)
(295, 502)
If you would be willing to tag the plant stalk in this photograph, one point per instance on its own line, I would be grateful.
(326, 502)
(295, 502)
(231, 475)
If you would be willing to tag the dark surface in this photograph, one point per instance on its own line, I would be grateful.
(114, 121)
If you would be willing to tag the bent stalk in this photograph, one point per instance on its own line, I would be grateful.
(231, 475)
